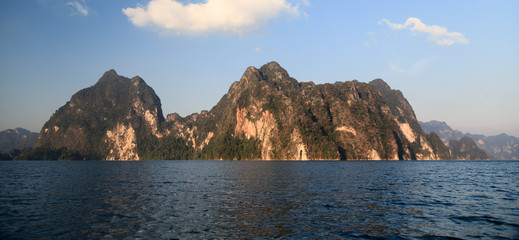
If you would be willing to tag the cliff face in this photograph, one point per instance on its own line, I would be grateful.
(269, 115)
(266, 115)
(418, 146)
(440, 150)
(105, 121)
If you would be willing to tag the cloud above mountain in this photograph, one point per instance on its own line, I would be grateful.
(79, 7)
(229, 16)
(437, 34)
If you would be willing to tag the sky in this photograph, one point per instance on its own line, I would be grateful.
(455, 61)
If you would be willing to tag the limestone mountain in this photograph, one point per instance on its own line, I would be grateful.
(501, 147)
(466, 149)
(420, 145)
(292, 120)
(444, 131)
(17, 138)
(440, 149)
(265, 115)
(105, 121)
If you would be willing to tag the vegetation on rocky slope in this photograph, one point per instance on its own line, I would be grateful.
(266, 115)
(466, 149)
(81, 125)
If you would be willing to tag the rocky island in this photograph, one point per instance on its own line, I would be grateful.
(266, 115)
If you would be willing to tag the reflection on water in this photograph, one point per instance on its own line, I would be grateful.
(301, 200)
(209, 199)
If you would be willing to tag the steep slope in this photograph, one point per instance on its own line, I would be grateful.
(105, 121)
(466, 149)
(501, 147)
(18, 138)
(269, 115)
(266, 115)
(419, 146)
(439, 148)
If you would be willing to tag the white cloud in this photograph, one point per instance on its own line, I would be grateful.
(234, 16)
(437, 34)
(80, 7)
(258, 50)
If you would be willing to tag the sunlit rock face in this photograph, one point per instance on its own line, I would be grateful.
(106, 120)
(418, 144)
(121, 143)
(269, 115)
(266, 115)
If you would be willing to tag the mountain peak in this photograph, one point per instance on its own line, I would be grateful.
(110, 73)
(270, 69)
(272, 64)
(22, 131)
(380, 84)
(109, 76)
(271, 72)
(436, 126)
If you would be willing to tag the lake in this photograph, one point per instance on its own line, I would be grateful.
(242, 199)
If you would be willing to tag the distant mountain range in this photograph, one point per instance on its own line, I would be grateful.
(500, 147)
(18, 138)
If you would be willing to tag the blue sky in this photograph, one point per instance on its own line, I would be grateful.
(455, 61)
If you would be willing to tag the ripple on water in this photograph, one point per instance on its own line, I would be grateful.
(206, 199)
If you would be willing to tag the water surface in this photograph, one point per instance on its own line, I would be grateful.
(226, 199)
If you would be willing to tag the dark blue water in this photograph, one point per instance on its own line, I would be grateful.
(213, 199)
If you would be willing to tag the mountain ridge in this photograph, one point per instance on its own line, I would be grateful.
(265, 115)
(18, 138)
(499, 147)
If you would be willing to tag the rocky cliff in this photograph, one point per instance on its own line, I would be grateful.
(419, 144)
(265, 115)
(286, 119)
(105, 121)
